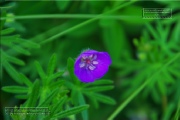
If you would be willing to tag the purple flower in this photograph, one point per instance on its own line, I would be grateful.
(91, 65)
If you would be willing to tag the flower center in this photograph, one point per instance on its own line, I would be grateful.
(89, 62)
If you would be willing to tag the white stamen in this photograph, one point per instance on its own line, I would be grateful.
(95, 62)
(91, 67)
(81, 65)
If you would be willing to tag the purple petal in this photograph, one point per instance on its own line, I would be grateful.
(91, 65)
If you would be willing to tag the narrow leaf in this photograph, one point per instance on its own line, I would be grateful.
(12, 72)
(20, 50)
(99, 82)
(70, 65)
(57, 107)
(25, 80)
(83, 102)
(71, 111)
(56, 75)
(98, 88)
(49, 98)
(33, 97)
(7, 31)
(12, 59)
(15, 89)
(40, 70)
(28, 43)
(56, 84)
(104, 99)
(52, 64)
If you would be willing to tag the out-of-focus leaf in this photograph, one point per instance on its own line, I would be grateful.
(99, 82)
(168, 112)
(98, 88)
(82, 102)
(40, 70)
(20, 50)
(114, 40)
(56, 84)
(7, 31)
(3, 14)
(12, 59)
(134, 15)
(27, 43)
(15, 89)
(162, 86)
(21, 96)
(56, 75)
(49, 98)
(52, 64)
(104, 99)
(70, 111)
(56, 107)
(70, 65)
(12, 72)
(62, 5)
(34, 95)
(25, 80)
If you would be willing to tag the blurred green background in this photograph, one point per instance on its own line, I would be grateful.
(138, 48)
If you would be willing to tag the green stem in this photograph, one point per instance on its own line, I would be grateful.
(85, 22)
(134, 94)
(65, 16)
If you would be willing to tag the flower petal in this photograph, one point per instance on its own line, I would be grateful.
(96, 69)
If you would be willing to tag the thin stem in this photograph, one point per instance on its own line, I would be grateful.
(65, 16)
(134, 94)
(85, 22)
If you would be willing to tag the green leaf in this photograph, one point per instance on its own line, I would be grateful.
(136, 15)
(168, 112)
(12, 72)
(104, 99)
(82, 102)
(99, 82)
(161, 86)
(52, 65)
(15, 89)
(3, 14)
(49, 98)
(56, 84)
(70, 65)
(62, 5)
(98, 88)
(28, 43)
(56, 75)
(7, 31)
(70, 111)
(12, 59)
(34, 94)
(57, 107)
(40, 70)
(25, 80)
(20, 50)
(21, 96)
(152, 31)
(114, 40)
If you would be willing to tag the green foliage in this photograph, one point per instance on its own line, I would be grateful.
(90, 90)
(46, 92)
(144, 52)
(11, 45)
